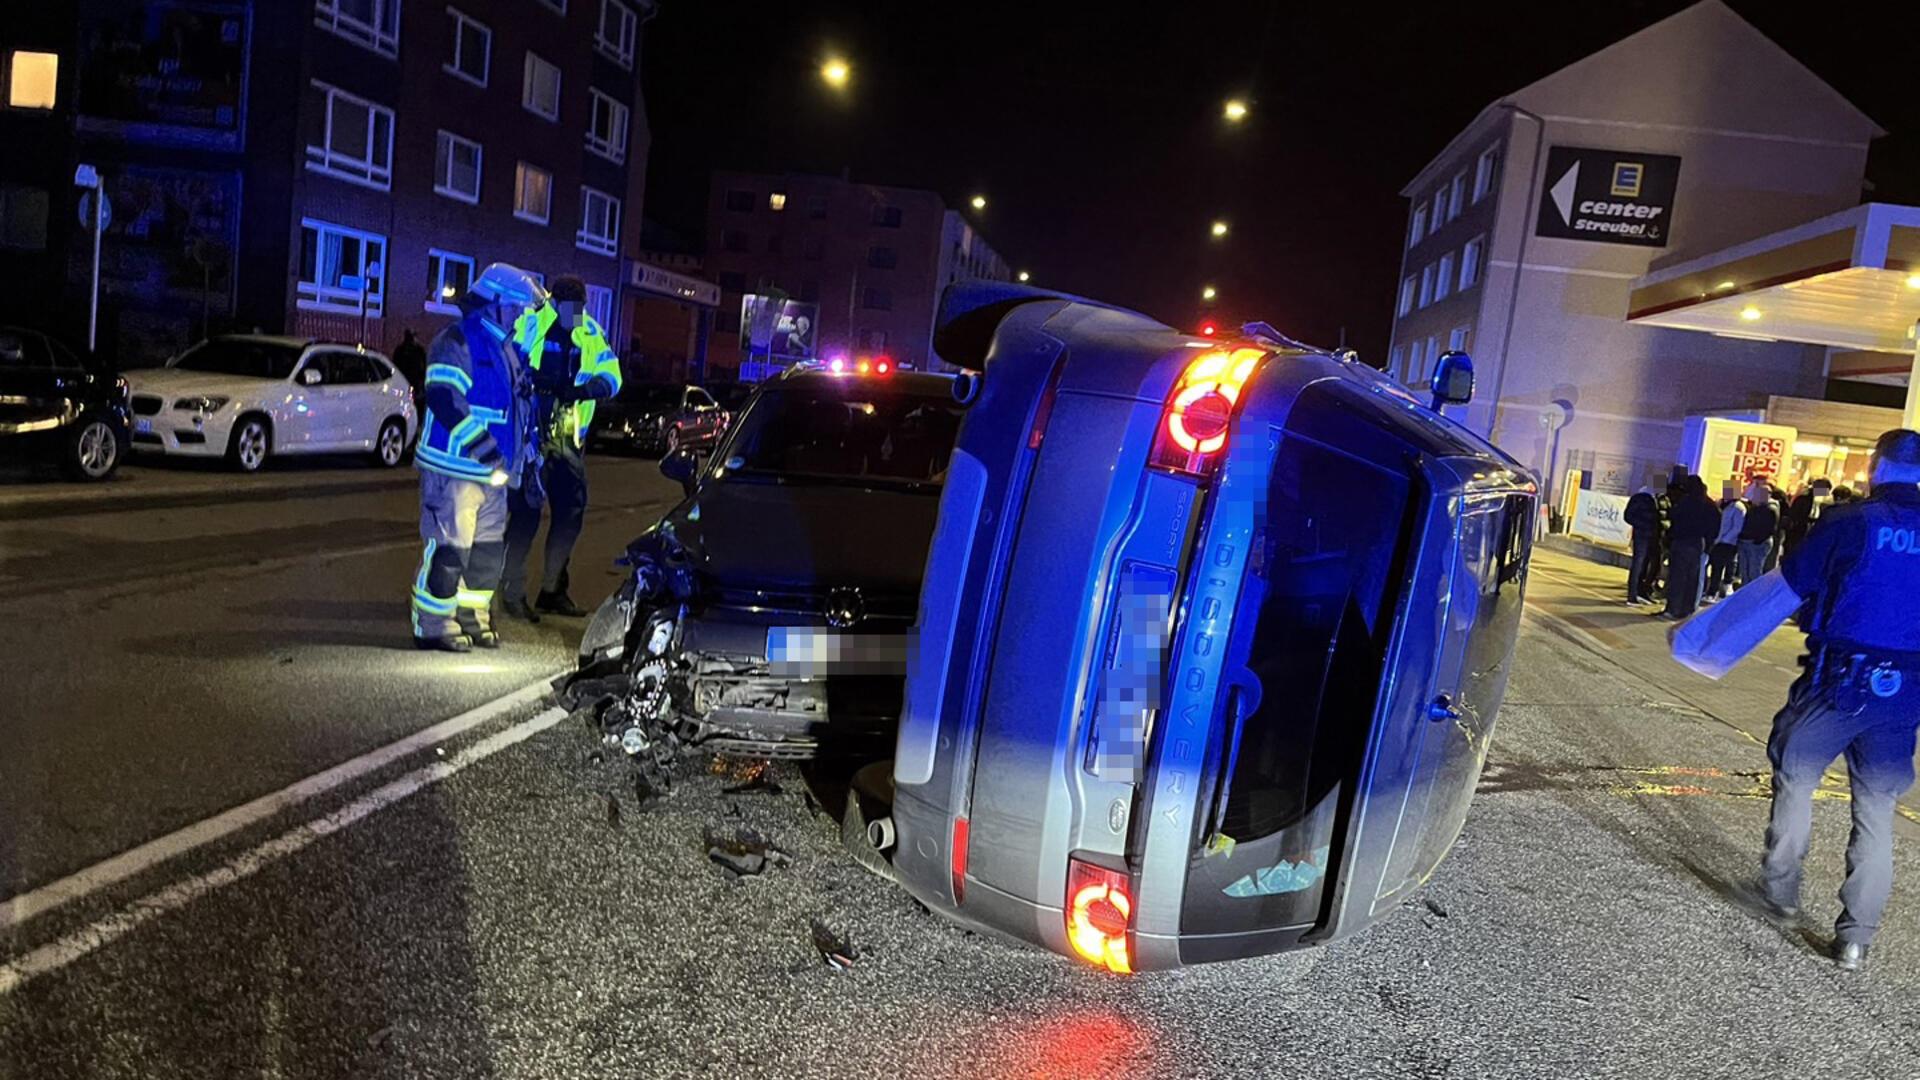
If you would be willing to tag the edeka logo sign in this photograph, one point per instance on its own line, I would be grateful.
(1609, 196)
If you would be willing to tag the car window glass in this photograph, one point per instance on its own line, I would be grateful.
(699, 399)
(847, 429)
(348, 369)
(64, 358)
(21, 349)
(248, 357)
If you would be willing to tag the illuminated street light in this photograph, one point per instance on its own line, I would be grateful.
(979, 202)
(1235, 110)
(1209, 293)
(1023, 275)
(1219, 229)
(835, 73)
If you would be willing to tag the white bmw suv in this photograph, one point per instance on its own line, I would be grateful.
(247, 396)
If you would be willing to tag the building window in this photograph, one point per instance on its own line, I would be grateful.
(1486, 173)
(876, 299)
(1470, 262)
(600, 305)
(448, 277)
(374, 24)
(813, 249)
(356, 143)
(1419, 224)
(607, 131)
(540, 88)
(1412, 375)
(882, 258)
(735, 240)
(1406, 295)
(1439, 212)
(532, 193)
(733, 281)
(887, 217)
(559, 6)
(740, 202)
(1457, 340)
(599, 222)
(1426, 285)
(472, 49)
(777, 201)
(456, 168)
(23, 218)
(618, 31)
(1394, 361)
(817, 207)
(33, 79)
(334, 265)
(1457, 196)
(1443, 278)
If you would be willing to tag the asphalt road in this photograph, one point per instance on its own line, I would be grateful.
(501, 904)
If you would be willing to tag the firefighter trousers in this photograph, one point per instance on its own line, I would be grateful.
(464, 524)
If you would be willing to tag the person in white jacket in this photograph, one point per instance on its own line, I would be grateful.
(1720, 557)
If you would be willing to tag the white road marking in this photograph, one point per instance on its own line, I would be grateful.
(104, 931)
(18, 909)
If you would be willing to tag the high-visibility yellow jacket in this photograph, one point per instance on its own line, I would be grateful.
(597, 361)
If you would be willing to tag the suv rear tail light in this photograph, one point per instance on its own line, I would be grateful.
(1099, 915)
(1193, 426)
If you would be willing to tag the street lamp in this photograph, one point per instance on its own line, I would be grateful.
(979, 202)
(1219, 229)
(835, 73)
(1023, 276)
(1235, 110)
(1209, 293)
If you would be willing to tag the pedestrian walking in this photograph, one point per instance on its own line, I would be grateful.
(1643, 517)
(571, 367)
(1695, 523)
(1756, 533)
(1859, 695)
(1726, 544)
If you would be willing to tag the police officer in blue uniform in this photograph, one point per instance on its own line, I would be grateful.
(1860, 694)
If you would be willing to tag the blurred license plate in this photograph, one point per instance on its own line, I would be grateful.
(810, 650)
(143, 425)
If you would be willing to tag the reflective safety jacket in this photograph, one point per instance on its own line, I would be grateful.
(475, 421)
(597, 361)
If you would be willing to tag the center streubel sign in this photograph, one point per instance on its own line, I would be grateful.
(1609, 196)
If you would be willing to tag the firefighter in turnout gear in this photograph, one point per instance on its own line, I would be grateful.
(474, 448)
(570, 367)
(1858, 570)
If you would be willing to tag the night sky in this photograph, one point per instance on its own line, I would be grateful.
(1095, 130)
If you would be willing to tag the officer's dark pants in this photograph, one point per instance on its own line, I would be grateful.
(1878, 742)
(1683, 577)
(1645, 567)
(565, 478)
(1720, 568)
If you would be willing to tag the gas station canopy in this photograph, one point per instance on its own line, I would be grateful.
(1850, 280)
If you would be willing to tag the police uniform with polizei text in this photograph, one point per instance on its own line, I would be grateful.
(1859, 697)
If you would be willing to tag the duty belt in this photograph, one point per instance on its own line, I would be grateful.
(1857, 677)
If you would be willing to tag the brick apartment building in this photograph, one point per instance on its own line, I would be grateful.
(865, 262)
(260, 155)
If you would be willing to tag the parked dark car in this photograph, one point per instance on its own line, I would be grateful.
(56, 406)
(767, 614)
(658, 418)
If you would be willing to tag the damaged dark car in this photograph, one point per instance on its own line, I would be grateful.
(767, 614)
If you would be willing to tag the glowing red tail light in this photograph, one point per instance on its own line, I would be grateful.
(1099, 914)
(1193, 427)
(959, 859)
(883, 365)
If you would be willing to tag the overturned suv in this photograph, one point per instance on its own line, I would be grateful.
(766, 615)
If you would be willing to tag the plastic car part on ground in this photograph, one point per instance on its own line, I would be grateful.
(744, 852)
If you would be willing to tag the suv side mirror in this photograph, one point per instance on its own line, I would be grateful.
(681, 466)
(1452, 379)
(310, 376)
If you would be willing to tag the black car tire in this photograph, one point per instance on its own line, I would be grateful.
(251, 442)
(390, 446)
(93, 450)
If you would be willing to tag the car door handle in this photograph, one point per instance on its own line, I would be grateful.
(1443, 709)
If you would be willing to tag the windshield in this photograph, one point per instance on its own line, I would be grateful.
(240, 356)
(846, 429)
(650, 397)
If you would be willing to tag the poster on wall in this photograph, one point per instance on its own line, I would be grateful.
(1609, 196)
(165, 71)
(1724, 451)
(1601, 515)
(777, 326)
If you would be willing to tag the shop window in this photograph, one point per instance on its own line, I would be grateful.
(331, 257)
(472, 49)
(356, 140)
(456, 167)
